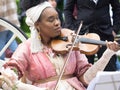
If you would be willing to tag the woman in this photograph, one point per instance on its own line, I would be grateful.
(36, 60)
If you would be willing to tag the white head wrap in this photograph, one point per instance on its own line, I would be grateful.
(33, 15)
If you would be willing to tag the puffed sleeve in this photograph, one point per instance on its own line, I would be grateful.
(19, 59)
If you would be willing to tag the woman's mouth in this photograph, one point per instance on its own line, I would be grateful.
(58, 29)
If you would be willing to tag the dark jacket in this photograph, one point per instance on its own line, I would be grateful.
(93, 15)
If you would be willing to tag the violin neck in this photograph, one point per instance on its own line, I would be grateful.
(91, 41)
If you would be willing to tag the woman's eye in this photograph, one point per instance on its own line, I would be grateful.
(51, 19)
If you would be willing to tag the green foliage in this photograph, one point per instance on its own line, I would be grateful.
(24, 26)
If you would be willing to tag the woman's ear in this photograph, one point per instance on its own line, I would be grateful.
(37, 25)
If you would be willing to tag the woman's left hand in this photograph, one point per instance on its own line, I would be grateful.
(113, 46)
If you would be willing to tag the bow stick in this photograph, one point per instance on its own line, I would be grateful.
(62, 71)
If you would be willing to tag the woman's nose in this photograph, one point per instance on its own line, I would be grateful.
(57, 22)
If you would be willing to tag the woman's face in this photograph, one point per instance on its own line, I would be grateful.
(49, 23)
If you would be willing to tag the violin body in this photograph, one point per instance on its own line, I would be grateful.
(61, 46)
(89, 49)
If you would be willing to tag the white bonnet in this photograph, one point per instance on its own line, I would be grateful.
(33, 15)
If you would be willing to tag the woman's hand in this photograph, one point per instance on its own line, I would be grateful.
(8, 77)
(113, 46)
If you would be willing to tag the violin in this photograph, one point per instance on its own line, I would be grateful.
(88, 44)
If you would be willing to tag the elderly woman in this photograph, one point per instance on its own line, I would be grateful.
(36, 60)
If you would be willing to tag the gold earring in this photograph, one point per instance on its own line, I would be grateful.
(39, 35)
